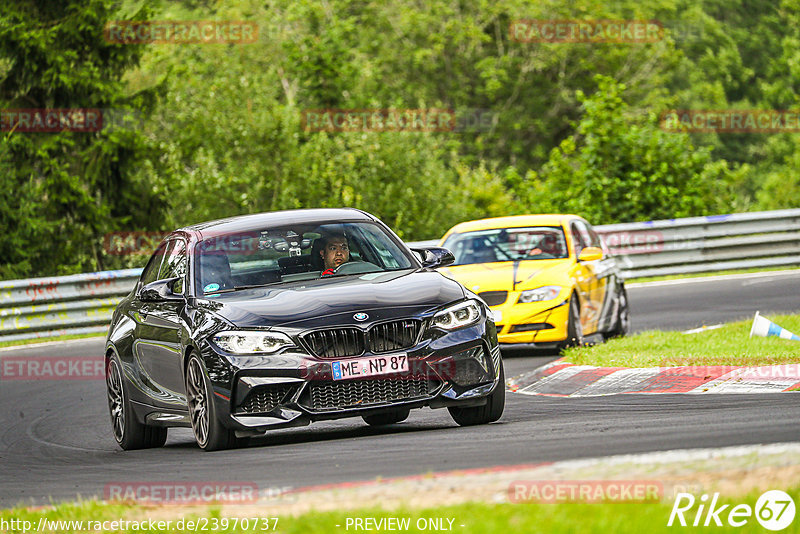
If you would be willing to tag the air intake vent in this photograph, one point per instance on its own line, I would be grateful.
(264, 399)
(327, 396)
(494, 298)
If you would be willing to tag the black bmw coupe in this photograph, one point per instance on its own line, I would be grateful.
(264, 321)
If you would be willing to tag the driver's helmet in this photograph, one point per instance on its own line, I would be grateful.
(549, 245)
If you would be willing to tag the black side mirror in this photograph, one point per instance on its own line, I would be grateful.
(433, 257)
(160, 290)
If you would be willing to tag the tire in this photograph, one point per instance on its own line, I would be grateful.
(489, 412)
(388, 418)
(574, 328)
(129, 433)
(208, 431)
(622, 326)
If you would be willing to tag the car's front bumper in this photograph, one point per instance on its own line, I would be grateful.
(537, 323)
(257, 393)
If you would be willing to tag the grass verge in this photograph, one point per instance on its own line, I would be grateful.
(467, 518)
(727, 345)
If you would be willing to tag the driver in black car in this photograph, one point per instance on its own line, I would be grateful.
(335, 252)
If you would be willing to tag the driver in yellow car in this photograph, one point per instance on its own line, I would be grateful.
(547, 245)
(335, 252)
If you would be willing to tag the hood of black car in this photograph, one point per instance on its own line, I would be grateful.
(331, 301)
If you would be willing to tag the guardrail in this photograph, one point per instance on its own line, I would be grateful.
(75, 304)
(83, 303)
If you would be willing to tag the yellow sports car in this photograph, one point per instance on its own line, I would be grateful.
(548, 279)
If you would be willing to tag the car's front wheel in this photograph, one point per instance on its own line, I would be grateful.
(574, 327)
(129, 433)
(387, 418)
(623, 324)
(209, 432)
(489, 412)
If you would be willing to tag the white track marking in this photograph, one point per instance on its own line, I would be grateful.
(618, 382)
(558, 376)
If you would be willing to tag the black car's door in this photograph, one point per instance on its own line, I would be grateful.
(157, 348)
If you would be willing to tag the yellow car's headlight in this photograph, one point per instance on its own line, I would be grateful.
(539, 294)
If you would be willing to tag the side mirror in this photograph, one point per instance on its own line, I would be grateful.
(160, 290)
(433, 257)
(591, 254)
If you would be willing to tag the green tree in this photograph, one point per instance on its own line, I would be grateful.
(70, 188)
(620, 168)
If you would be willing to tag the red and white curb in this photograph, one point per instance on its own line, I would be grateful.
(563, 379)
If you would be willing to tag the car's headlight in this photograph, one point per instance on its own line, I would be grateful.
(243, 342)
(539, 294)
(457, 315)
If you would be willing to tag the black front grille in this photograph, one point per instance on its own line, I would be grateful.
(530, 327)
(264, 399)
(349, 341)
(397, 335)
(344, 394)
(494, 298)
(338, 343)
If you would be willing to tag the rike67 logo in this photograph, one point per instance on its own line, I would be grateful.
(774, 510)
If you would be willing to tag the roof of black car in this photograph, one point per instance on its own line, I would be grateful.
(256, 221)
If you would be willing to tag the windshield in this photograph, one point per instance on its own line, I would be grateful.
(278, 255)
(508, 244)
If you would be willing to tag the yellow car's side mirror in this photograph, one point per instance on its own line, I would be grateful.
(591, 254)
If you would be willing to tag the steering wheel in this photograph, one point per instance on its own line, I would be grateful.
(357, 267)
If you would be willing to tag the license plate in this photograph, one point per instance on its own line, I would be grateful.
(373, 366)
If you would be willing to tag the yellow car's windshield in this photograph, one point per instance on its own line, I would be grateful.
(508, 244)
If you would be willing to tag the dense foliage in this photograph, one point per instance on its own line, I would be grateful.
(219, 127)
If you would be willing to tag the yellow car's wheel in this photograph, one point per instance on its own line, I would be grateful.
(574, 328)
(623, 324)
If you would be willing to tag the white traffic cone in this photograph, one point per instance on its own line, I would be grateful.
(765, 328)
